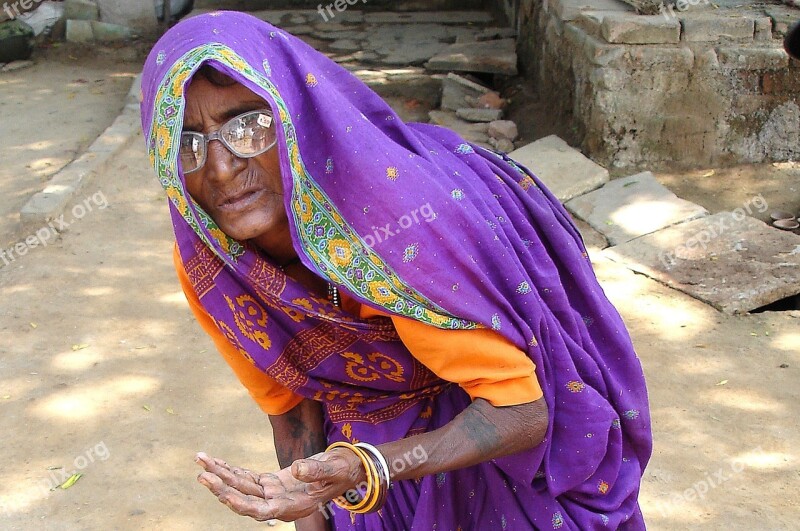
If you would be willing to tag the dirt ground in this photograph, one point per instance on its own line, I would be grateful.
(104, 372)
(37, 136)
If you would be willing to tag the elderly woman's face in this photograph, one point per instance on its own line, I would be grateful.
(244, 196)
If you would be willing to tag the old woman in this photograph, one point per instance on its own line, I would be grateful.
(417, 315)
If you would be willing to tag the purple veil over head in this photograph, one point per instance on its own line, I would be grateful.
(412, 220)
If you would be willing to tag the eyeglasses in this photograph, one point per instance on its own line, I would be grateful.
(246, 136)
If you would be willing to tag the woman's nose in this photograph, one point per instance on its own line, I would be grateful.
(222, 164)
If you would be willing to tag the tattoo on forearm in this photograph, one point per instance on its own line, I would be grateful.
(300, 434)
(481, 430)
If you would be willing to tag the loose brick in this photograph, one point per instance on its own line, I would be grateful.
(630, 28)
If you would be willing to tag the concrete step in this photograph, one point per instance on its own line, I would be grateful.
(625, 209)
(563, 169)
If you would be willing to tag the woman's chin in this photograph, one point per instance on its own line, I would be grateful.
(247, 228)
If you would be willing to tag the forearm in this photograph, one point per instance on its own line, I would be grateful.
(479, 433)
(298, 434)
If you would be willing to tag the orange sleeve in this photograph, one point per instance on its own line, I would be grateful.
(482, 362)
(271, 397)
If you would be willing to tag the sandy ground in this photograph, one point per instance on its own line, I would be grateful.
(104, 372)
(37, 138)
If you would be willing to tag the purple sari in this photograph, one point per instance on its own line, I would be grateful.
(412, 220)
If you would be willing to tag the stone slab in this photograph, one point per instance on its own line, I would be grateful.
(707, 27)
(458, 92)
(346, 45)
(409, 44)
(563, 169)
(752, 58)
(79, 31)
(629, 28)
(479, 115)
(103, 31)
(627, 208)
(432, 17)
(567, 10)
(592, 239)
(490, 34)
(288, 17)
(81, 10)
(491, 57)
(735, 263)
(591, 22)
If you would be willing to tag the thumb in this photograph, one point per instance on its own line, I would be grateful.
(310, 470)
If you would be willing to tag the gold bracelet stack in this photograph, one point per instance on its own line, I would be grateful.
(378, 480)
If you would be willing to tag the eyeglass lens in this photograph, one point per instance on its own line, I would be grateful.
(247, 136)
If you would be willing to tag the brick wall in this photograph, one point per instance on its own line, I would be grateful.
(698, 89)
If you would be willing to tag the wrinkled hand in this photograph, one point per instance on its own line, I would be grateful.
(288, 495)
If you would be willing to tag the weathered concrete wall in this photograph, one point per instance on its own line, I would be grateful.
(139, 14)
(695, 90)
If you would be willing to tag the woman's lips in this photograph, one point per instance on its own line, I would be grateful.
(241, 202)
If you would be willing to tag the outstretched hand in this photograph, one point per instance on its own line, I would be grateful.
(289, 494)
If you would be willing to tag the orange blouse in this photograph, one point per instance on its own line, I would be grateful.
(482, 362)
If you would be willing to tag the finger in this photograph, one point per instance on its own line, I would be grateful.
(243, 504)
(243, 483)
(213, 483)
(252, 506)
(287, 509)
(204, 460)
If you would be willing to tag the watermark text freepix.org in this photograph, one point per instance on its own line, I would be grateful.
(704, 237)
(339, 5)
(381, 234)
(681, 5)
(58, 476)
(20, 7)
(45, 235)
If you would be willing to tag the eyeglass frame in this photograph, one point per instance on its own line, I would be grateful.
(207, 138)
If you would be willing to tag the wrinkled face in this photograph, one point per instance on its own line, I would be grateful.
(244, 196)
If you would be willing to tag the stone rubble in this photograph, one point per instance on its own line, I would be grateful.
(472, 132)
(503, 130)
(479, 115)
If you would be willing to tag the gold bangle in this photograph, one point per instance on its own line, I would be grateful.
(369, 495)
(374, 495)
(384, 482)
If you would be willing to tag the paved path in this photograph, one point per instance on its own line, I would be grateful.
(37, 136)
